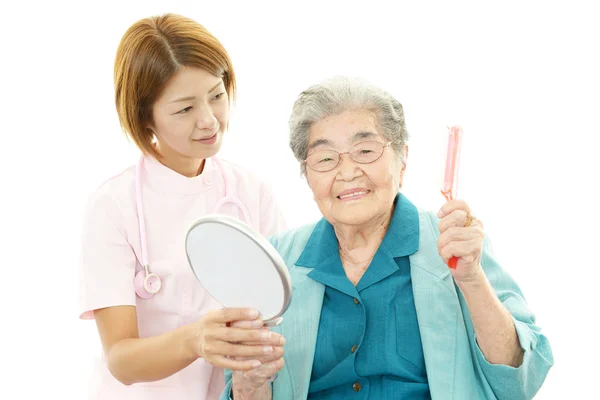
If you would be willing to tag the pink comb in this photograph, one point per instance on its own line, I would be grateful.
(455, 134)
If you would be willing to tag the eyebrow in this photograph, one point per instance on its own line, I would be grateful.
(363, 135)
(319, 142)
(356, 137)
(188, 98)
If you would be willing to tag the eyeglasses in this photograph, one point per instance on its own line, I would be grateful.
(362, 153)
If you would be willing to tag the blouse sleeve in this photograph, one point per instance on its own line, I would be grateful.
(508, 382)
(107, 261)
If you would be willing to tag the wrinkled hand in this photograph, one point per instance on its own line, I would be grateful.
(251, 382)
(464, 243)
(233, 338)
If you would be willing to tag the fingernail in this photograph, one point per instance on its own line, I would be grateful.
(253, 313)
(257, 323)
(282, 340)
(265, 335)
(267, 349)
(440, 213)
(256, 364)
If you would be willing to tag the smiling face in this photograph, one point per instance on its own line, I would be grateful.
(353, 193)
(190, 117)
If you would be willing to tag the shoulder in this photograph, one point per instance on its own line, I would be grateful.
(290, 243)
(237, 170)
(111, 195)
(428, 222)
(243, 175)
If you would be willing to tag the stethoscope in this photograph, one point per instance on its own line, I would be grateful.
(147, 283)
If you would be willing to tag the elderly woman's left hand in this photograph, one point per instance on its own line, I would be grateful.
(461, 236)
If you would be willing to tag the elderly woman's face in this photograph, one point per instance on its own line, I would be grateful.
(353, 193)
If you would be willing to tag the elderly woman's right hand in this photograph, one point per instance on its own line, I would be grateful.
(233, 338)
(254, 383)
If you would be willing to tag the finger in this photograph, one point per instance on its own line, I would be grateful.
(248, 324)
(453, 205)
(265, 371)
(275, 340)
(236, 350)
(247, 336)
(232, 314)
(276, 355)
(459, 235)
(457, 218)
(269, 369)
(477, 222)
(466, 250)
(246, 364)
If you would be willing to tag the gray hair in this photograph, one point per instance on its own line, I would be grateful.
(340, 94)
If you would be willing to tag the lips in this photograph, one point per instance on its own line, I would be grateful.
(208, 140)
(353, 193)
(207, 137)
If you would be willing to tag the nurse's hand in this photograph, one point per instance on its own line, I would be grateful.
(240, 347)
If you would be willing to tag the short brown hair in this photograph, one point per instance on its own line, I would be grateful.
(151, 51)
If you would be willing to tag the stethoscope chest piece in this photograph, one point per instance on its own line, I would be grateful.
(146, 284)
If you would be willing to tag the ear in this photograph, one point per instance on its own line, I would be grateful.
(403, 166)
(151, 129)
(304, 173)
(153, 135)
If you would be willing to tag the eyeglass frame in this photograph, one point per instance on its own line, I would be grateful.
(350, 154)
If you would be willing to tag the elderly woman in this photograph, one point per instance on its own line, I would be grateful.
(376, 311)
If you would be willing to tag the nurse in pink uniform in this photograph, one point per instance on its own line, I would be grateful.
(163, 336)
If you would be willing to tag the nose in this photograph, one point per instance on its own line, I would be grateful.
(206, 119)
(348, 168)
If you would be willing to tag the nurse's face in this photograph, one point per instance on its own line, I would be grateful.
(191, 116)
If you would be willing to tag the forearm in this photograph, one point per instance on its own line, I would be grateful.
(493, 324)
(240, 393)
(151, 359)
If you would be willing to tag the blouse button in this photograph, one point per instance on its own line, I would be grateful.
(357, 386)
(356, 301)
(354, 348)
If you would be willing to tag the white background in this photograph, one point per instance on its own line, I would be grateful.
(520, 77)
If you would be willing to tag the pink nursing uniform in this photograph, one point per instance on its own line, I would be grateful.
(111, 255)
